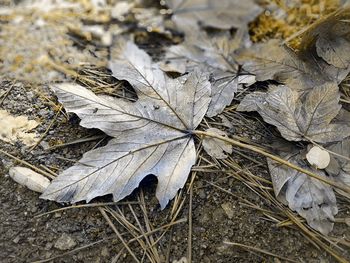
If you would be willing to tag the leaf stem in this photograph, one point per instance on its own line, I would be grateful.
(273, 157)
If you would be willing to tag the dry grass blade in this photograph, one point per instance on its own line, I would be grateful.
(250, 248)
(84, 206)
(275, 158)
(104, 214)
(6, 93)
(28, 164)
(47, 130)
(314, 238)
(73, 251)
(82, 140)
(254, 184)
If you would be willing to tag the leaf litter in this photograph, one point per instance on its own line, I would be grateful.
(155, 134)
(306, 107)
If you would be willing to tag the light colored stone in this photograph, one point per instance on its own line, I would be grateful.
(318, 157)
(28, 178)
(228, 208)
(65, 242)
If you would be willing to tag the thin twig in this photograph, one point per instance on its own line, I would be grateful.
(28, 164)
(273, 157)
(72, 251)
(46, 131)
(104, 214)
(259, 250)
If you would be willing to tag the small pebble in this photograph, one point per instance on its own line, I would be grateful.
(65, 242)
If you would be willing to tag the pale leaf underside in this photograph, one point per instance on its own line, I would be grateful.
(151, 135)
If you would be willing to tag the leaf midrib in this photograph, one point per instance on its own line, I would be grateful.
(126, 113)
(109, 163)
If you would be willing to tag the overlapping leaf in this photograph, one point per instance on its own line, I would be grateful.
(300, 116)
(331, 36)
(312, 199)
(339, 167)
(151, 135)
(224, 14)
(214, 55)
(272, 61)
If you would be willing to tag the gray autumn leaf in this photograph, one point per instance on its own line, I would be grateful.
(339, 167)
(300, 116)
(151, 135)
(273, 61)
(309, 197)
(224, 14)
(214, 147)
(331, 36)
(212, 54)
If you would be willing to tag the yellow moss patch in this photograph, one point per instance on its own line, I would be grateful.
(290, 19)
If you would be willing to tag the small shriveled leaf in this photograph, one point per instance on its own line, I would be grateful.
(310, 198)
(300, 116)
(151, 135)
(214, 147)
(213, 55)
(224, 14)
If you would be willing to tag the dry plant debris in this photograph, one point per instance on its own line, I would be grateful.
(35, 31)
(306, 108)
(17, 128)
(299, 50)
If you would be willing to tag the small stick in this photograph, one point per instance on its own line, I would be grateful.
(92, 138)
(248, 248)
(104, 214)
(48, 170)
(7, 92)
(28, 164)
(273, 157)
(46, 131)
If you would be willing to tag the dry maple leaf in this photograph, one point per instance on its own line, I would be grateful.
(309, 197)
(300, 116)
(331, 38)
(224, 14)
(272, 61)
(216, 56)
(151, 136)
(339, 167)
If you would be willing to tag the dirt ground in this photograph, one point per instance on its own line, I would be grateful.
(215, 213)
(217, 216)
